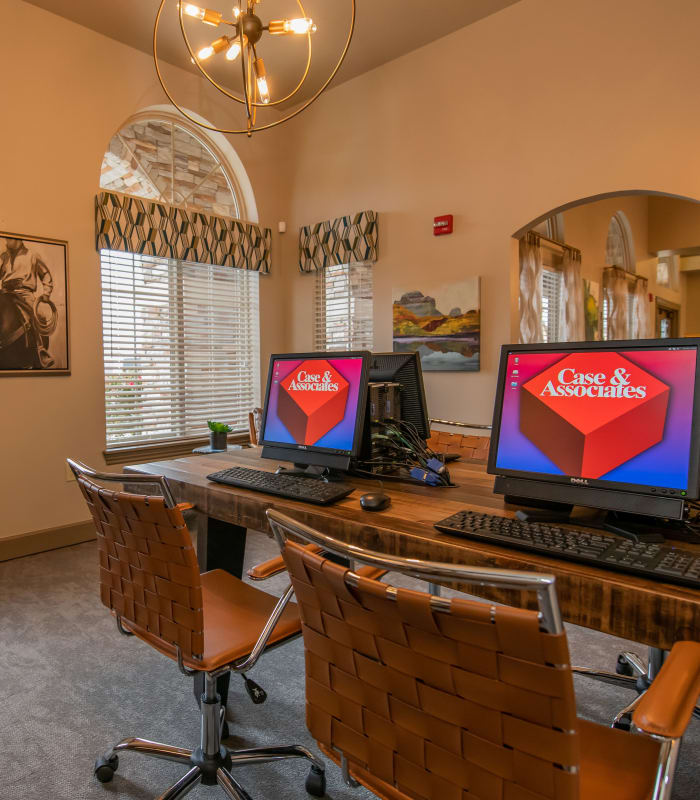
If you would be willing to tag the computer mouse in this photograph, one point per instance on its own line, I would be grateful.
(374, 501)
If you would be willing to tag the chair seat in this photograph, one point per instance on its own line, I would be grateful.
(234, 615)
(615, 758)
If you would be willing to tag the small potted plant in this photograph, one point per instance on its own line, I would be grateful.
(218, 433)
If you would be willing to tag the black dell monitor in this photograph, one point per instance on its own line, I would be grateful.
(608, 425)
(315, 408)
(404, 369)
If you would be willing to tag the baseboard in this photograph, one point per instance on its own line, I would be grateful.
(26, 544)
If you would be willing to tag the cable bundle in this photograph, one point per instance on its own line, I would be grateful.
(403, 450)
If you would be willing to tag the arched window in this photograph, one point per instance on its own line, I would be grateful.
(619, 251)
(552, 228)
(162, 160)
(181, 339)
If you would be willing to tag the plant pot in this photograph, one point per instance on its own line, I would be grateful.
(218, 440)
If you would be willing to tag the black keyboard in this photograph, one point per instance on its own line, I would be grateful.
(308, 490)
(658, 561)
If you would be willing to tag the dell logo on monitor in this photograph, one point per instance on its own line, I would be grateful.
(582, 481)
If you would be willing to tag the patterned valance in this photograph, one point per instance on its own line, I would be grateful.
(345, 240)
(138, 225)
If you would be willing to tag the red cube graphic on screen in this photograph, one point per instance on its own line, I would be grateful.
(312, 400)
(591, 412)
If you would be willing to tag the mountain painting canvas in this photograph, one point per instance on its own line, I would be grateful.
(442, 325)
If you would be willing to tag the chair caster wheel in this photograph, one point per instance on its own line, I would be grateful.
(105, 768)
(316, 782)
(623, 667)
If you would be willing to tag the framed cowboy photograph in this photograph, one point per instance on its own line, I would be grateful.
(33, 305)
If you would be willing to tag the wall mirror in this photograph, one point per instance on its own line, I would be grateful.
(620, 266)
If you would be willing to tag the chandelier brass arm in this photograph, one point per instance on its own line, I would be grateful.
(249, 31)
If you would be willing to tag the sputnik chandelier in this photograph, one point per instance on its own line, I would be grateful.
(241, 42)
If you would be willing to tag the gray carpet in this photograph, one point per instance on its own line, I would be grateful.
(71, 686)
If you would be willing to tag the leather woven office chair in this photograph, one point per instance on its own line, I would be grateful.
(422, 697)
(210, 623)
(468, 448)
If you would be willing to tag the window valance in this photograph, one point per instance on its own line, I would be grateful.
(146, 227)
(345, 240)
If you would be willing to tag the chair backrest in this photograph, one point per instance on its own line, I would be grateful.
(428, 697)
(254, 425)
(469, 448)
(149, 575)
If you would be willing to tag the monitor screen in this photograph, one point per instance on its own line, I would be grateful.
(618, 415)
(316, 402)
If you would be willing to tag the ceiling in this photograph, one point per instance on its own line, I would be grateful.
(384, 30)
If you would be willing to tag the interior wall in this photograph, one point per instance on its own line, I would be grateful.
(65, 91)
(674, 224)
(586, 227)
(497, 123)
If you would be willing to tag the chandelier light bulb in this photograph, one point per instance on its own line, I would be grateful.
(263, 90)
(205, 14)
(302, 25)
(235, 50)
(215, 47)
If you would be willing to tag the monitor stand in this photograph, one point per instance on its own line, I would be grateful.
(326, 474)
(636, 527)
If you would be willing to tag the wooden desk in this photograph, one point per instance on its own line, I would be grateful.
(650, 612)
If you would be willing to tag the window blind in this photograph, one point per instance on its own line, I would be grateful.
(181, 346)
(551, 304)
(343, 308)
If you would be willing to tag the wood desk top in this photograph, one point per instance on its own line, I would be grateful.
(645, 611)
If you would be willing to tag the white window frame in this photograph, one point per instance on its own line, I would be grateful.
(344, 308)
(552, 285)
(191, 332)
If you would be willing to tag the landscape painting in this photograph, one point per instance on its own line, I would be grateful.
(441, 323)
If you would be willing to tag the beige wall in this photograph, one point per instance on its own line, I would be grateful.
(463, 126)
(690, 282)
(65, 90)
(673, 224)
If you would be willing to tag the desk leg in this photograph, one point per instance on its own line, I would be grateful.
(220, 545)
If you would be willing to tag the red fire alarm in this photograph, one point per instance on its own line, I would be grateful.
(442, 225)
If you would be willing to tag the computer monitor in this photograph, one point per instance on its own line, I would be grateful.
(315, 408)
(609, 425)
(404, 369)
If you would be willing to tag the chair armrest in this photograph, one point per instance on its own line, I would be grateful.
(273, 566)
(375, 573)
(666, 707)
(185, 506)
(266, 569)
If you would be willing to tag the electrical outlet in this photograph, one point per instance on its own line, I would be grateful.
(69, 472)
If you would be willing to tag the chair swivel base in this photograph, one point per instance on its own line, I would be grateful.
(210, 770)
